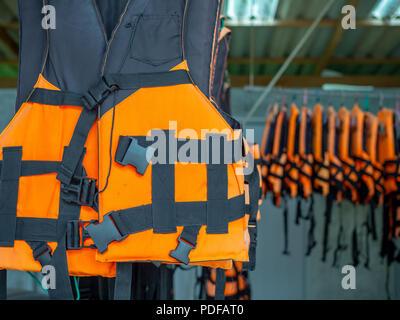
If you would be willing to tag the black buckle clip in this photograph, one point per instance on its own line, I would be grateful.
(77, 234)
(96, 95)
(81, 190)
(104, 233)
(43, 254)
(181, 253)
(136, 155)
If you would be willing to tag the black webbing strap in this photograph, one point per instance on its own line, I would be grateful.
(327, 222)
(371, 222)
(285, 229)
(220, 283)
(217, 189)
(299, 214)
(118, 224)
(3, 284)
(163, 193)
(147, 80)
(387, 246)
(253, 180)
(135, 150)
(10, 173)
(163, 198)
(367, 232)
(187, 241)
(123, 281)
(73, 153)
(340, 245)
(68, 211)
(41, 252)
(394, 220)
(164, 285)
(34, 168)
(56, 98)
(311, 243)
(354, 247)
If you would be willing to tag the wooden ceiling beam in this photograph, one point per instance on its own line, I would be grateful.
(9, 25)
(8, 82)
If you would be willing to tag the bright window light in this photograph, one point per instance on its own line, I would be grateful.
(264, 9)
(260, 10)
(396, 14)
(385, 9)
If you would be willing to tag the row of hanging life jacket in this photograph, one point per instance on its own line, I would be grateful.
(349, 154)
(80, 188)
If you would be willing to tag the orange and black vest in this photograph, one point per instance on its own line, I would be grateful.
(237, 286)
(107, 160)
(373, 126)
(335, 165)
(350, 177)
(319, 145)
(305, 153)
(276, 172)
(253, 196)
(292, 162)
(388, 151)
(363, 163)
(267, 143)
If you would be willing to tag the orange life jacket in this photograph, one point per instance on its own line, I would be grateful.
(372, 131)
(237, 286)
(253, 198)
(321, 162)
(389, 156)
(360, 155)
(335, 166)
(279, 157)
(350, 178)
(292, 162)
(83, 186)
(267, 146)
(305, 153)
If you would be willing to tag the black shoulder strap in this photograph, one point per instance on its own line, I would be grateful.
(123, 281)
(220, 284)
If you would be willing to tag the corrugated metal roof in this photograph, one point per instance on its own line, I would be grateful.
(279, 41)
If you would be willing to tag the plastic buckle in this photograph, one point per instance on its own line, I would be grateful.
(81, 191)
(96, 95)
(42, 254)
(181, 253)
(104, 233)
(136, 155)
(76, 235)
